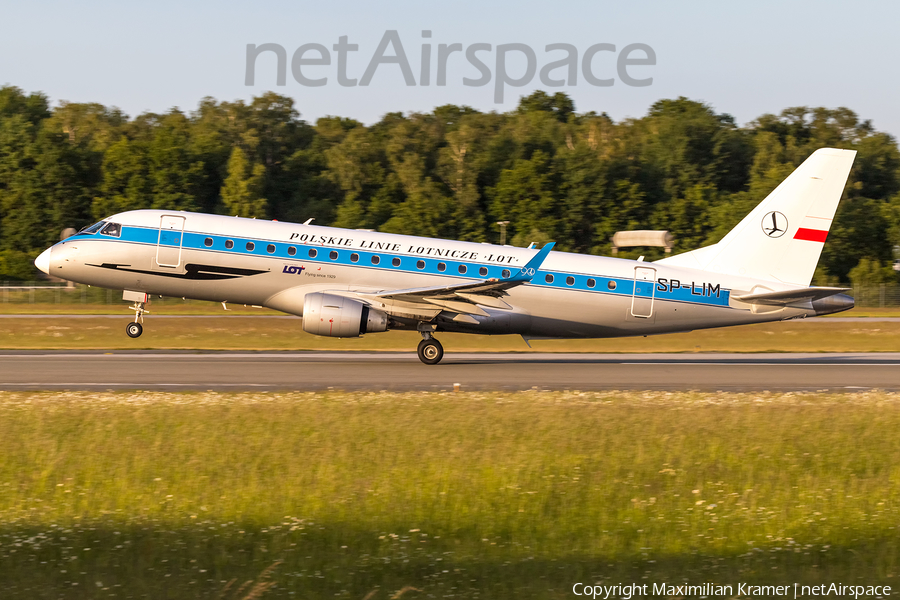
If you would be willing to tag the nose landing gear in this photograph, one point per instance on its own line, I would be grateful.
(135, 329)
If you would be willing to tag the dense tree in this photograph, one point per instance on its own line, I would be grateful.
(559, 104)
(174, 173)
(243, 189)
(555, 174)
(125, 181)
(34, 108)
(42, 176)
(524, 195)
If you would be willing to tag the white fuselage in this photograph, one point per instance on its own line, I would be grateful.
(272, 264)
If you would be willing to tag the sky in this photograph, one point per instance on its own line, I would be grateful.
(744, 59)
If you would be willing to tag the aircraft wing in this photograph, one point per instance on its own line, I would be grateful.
(791, 296)
(486, 291)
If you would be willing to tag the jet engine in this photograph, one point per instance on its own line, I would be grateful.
(337, 316)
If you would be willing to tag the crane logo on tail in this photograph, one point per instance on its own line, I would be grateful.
(774, 224)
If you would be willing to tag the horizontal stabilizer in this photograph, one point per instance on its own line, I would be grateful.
(790, 296)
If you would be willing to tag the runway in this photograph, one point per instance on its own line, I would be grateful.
(224, 371)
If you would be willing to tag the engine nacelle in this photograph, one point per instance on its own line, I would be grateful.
(337, 316)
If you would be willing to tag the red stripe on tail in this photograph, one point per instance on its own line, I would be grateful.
(811, 235)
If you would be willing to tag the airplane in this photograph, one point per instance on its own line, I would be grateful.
(346, 283)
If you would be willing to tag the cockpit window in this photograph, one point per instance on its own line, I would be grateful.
(93, 228)
(112, 229)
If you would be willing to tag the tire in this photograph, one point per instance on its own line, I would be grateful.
(430, 351)
(134, 330)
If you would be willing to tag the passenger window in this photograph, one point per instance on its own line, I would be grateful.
(505, 273)
(112, 230)
(570, 281)
(375, 259)
(396, 262)
(333, 255)
(229, 244)
(483, 271)
(292, 251)
(270, 248)
(611, 285)
(208, 242)
(250, 246)
(462, 269)
(420, 264)
(591, 283)
(354, 257)
(312, 253)
(442, 267)
(548, 278)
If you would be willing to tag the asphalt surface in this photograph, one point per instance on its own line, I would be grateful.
(42, 370)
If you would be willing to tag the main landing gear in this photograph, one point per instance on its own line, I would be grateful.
(430, 350)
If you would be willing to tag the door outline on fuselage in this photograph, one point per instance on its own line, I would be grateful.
(170, 241)
(641, 304)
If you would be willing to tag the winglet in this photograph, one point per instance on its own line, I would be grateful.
(529, 270)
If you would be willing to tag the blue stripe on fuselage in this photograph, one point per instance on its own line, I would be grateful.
(695, 293)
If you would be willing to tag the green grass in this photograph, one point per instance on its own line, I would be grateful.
(266, 333)
(165, 306)
(466, 495)
(112, 304)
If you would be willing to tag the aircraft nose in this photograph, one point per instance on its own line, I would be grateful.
(42, 262)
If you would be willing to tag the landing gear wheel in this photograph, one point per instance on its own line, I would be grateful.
(135, 329)
(430, 351)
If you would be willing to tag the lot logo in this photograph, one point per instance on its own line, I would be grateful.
(293, 269)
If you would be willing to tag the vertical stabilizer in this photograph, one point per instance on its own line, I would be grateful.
(782, 238)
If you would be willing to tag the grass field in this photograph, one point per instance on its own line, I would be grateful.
(167, 306)
(466, 495)
(267, 333)
(177, 306)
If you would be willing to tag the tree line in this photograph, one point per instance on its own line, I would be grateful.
(553, 173)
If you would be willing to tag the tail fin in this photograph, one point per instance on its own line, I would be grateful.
(782, 238)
